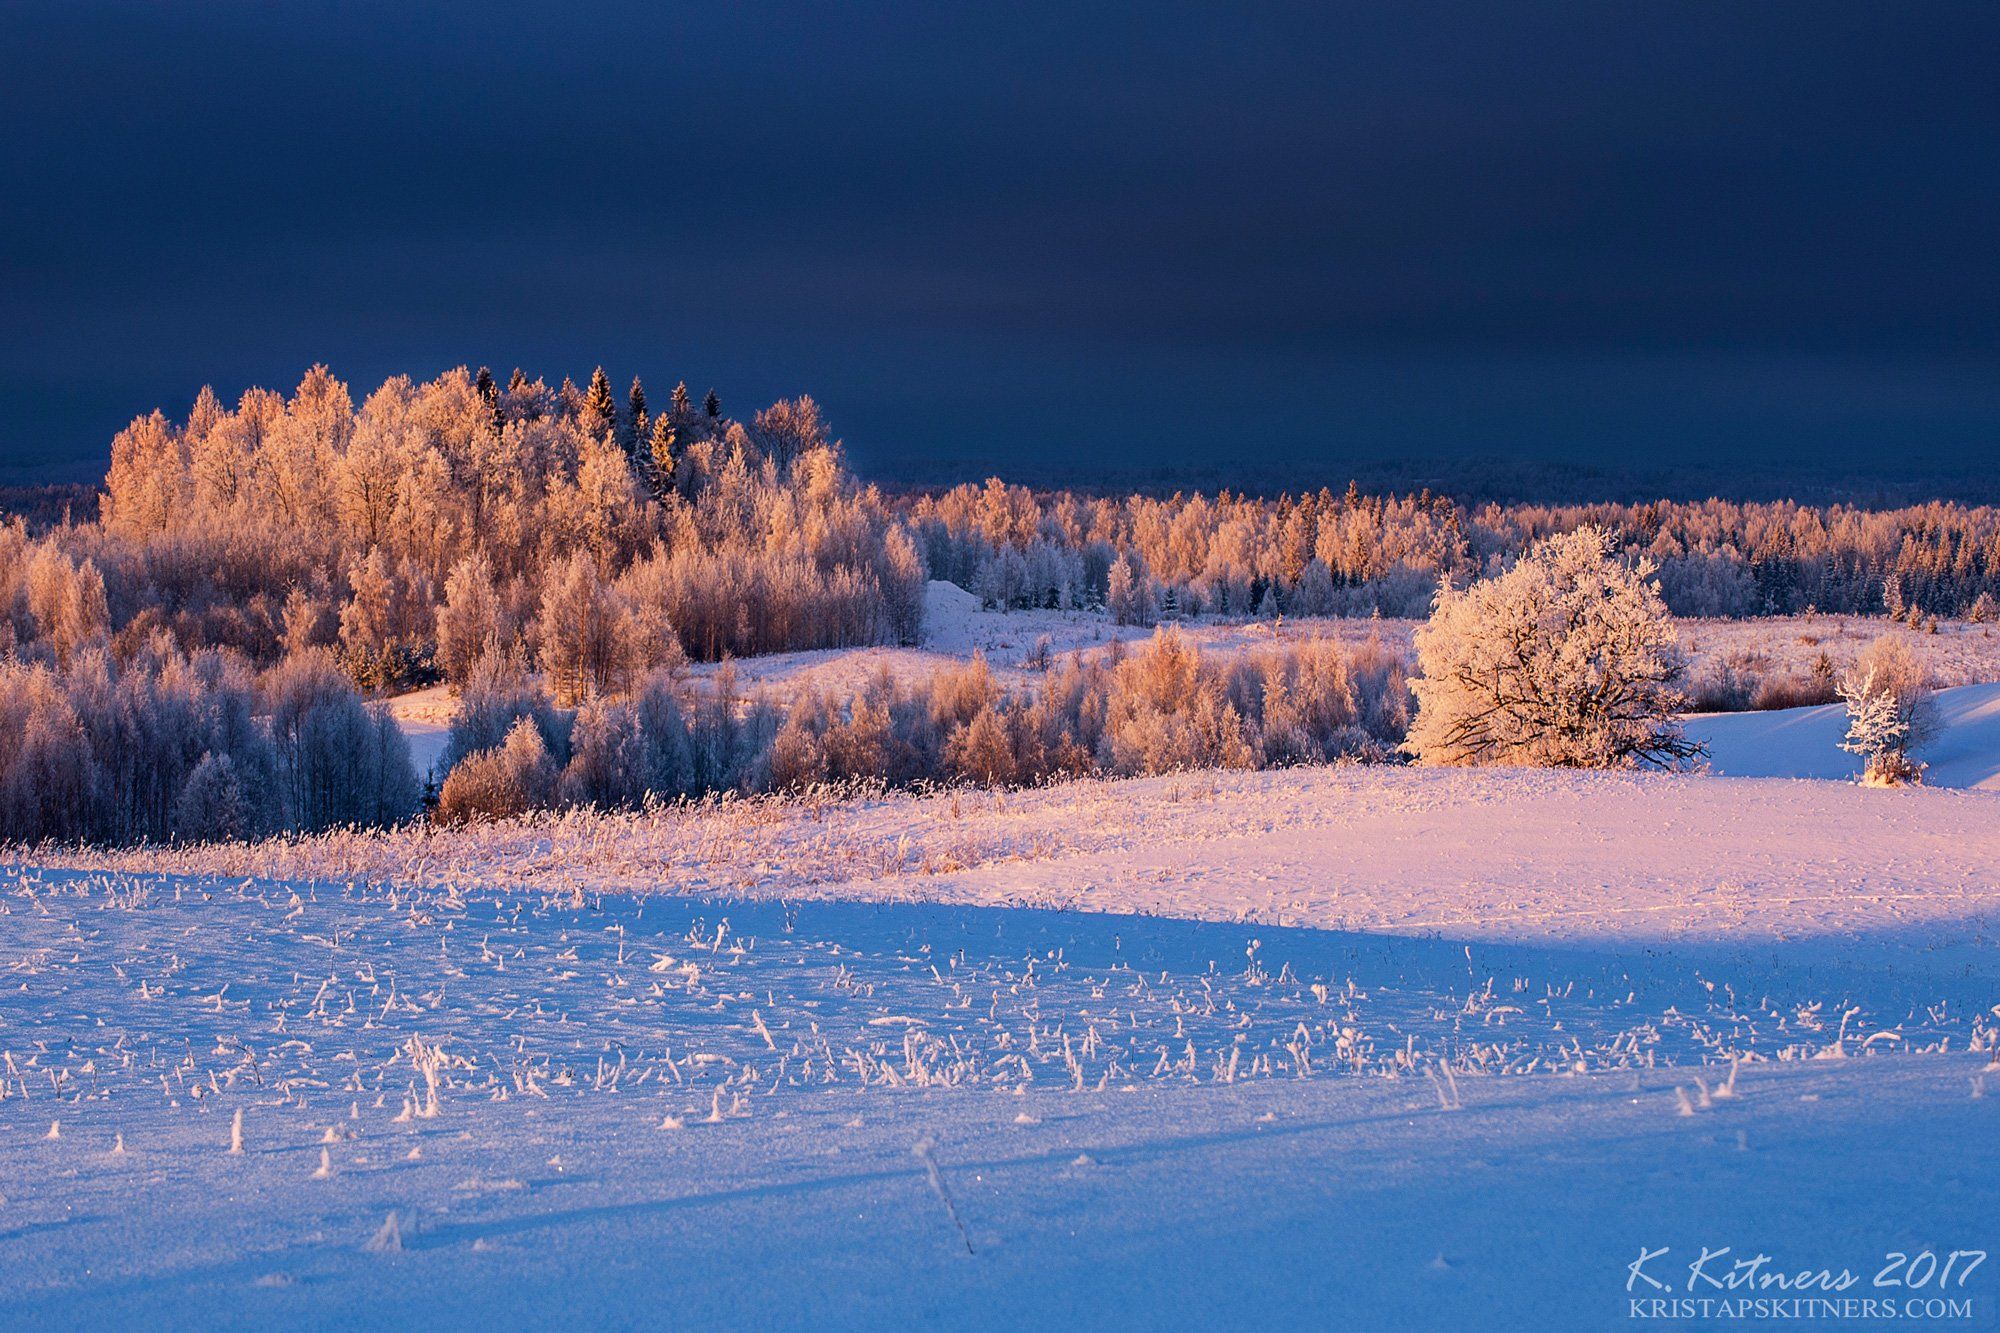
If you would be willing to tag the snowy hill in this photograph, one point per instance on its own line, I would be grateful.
(1805, 742)
(951, 1059)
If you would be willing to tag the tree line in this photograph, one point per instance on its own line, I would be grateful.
(197, 659)
(1347, 553)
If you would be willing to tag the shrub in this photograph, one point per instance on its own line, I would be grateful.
(511, 779)
(1569, 659)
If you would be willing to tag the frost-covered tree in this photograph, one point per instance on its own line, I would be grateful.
(66, 599)
(512, 779)
(1569, 659)
(599, 411)
(790, 429)
(1170, 710)
(903, 583)
(213, 805)
(982, 752)
(340, 762)
(660, 460)
(471, 622)
(607, 766)
(499, 693)
(596, 637)
(1890, 712)
(638, 425)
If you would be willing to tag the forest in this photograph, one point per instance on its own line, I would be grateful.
(204, 657)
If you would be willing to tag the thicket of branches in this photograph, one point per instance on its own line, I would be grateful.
(168, 746)
(1567, 660)
(1162, 708)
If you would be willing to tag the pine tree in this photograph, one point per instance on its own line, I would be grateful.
(660, 455)
(637, 422)
(600, 413)
(712, 404)
(682, 411)
(490, 391)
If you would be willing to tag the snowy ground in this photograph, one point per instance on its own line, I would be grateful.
(1805, 742)
(1386, 1048)
(424, 717)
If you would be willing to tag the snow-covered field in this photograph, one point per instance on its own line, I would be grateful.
(1360, 1047)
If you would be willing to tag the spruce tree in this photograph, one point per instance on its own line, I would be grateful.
(637, 421)
(660, 455)
(711, 404)
(682, 410)
(490, 391)
(599, 411)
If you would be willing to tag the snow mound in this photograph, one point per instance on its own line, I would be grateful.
(1805, 742)
(950, 613)
(942, 598)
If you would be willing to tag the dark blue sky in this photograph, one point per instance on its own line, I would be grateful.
(1717, 238)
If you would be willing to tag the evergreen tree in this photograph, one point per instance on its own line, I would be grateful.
(491, 393)
(660, 455)
(712, 404)
(600, 413)
(682, 410)
(637, 422)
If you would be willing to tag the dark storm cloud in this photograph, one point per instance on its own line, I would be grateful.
(994, 232)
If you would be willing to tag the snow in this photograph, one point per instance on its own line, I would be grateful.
(1520, 855)
(1805, 742)
(424, 717)
(1364, 1046)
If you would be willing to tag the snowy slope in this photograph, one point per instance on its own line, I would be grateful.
(676, 1111)
(1337, 1047)
(1805, 742)
(1504, 854)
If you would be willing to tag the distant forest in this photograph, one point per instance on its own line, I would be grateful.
(189, 652)
(395, 530)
